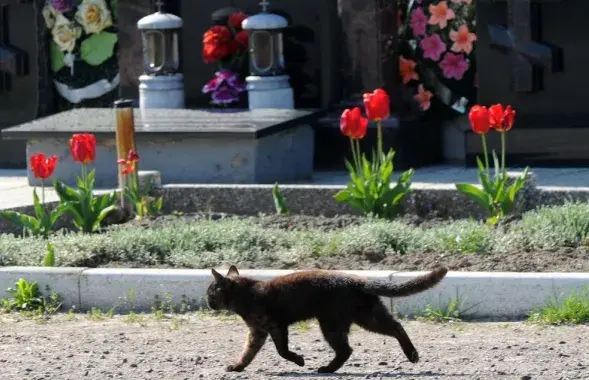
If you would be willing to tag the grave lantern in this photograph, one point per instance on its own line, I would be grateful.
(267, 85)
(161, 85)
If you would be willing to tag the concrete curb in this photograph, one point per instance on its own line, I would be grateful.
(485, 294)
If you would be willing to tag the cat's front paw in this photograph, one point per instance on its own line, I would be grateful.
(234, 368)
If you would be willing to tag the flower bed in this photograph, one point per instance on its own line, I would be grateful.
(547, 240)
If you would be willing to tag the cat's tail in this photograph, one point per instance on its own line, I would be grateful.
(407, 288)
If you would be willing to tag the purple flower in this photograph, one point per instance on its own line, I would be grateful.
(454, 66)
(227, 78)
(432, 47)
(225, 87)
(225, 95)
(62, 5)
(418, 22)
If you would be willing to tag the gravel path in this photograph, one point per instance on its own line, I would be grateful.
(199, 347)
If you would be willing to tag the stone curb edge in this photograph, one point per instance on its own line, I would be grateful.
(501, 295)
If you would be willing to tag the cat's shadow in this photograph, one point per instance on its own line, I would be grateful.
(424, 374)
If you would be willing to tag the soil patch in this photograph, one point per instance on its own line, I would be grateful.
(200, 348)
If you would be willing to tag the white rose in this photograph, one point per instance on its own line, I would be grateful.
(94, 16)
(65, 33)
(49, 14)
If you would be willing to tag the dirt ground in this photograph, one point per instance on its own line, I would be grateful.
(198, 347)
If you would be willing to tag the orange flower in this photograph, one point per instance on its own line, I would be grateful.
(479, 119)
(236, 19)
(440, 14)
(407, 70)
(42, 166)
(423, 97)
(352, 124)
(377, 105)
(83, 147)
(463, 39)
(501, 120)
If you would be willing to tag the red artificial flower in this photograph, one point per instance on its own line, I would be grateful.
(217, 43)
(43, 166)
(130, 163)
(479, 119)
(83, 147)
(501, 119)
(236, 19)
(242, 39)
(352, 124)
(377, 105)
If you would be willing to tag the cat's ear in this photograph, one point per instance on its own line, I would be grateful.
(218, 276)
(233, 271)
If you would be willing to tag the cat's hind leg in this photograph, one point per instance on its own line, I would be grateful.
(376, 318)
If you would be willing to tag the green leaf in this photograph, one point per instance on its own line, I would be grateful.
(39, 210)
(25, 221)
(57, 57)
(114, 8)
(279, 201)
(476, 194)
(98, 48)
(49, 260)
(66, 193)
(103, 214)
(342, 195)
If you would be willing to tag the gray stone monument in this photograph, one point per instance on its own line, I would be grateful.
(186, 146)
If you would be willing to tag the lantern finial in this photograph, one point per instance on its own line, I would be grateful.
(264, 4)
(158, 4)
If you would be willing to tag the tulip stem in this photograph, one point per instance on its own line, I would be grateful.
(379, 138)
(359, 154)
(354, 155)
(484, 137)
(503, 143)
(43, 192)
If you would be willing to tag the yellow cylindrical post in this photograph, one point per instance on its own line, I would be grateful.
(125, 139)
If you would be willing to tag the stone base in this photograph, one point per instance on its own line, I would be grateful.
(165, 91)
(269, 92)
(185, 146)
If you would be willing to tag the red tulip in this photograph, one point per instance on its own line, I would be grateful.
(83, 147)
(502, 122)
(352, 124)
(479, 119)
(496, 116)
(377, 105)
(42, 166)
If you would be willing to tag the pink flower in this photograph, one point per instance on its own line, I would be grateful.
(440, 14)
(432, 47)
(467, 2)
(418, 22)
(463, 39)
(453, 66)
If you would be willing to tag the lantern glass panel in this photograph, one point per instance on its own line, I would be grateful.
(155, 53)
(262, 48)
(172, 56)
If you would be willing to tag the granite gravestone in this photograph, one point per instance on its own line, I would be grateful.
(531, 55)
(25, 82)
(185, 146)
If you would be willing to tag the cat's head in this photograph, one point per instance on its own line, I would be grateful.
(220, 290)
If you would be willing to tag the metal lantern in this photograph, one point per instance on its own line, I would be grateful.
(266, 50)
(160, 33)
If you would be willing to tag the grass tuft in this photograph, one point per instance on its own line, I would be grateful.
(573, 310)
